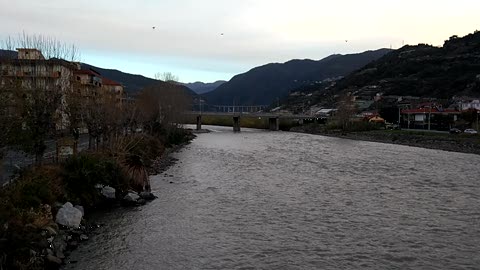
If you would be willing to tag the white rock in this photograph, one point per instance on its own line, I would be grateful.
(108, 192)
(79, 207)
(147, 196)
(131, 197)
(98, 186)
(69, 216)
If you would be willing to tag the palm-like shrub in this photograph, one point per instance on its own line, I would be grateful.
(137, 173)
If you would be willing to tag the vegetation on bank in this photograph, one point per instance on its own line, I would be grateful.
(465, 143)
(125, 140)
(29, 204)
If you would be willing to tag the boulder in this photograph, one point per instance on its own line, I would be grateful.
(69, 216)
(147, 196)
(109, 193)
(72, 244)
(50, 230)
(131, 197)
(79, 207)
(54, 260)
(59, 245)
(98, 186)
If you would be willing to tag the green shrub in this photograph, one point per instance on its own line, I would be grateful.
(177, 136)
(83, 172)
(35, 187)
(148, 147)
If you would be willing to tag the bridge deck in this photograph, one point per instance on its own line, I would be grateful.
(263, 115)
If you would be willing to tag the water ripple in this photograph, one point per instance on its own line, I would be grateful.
(274, 200)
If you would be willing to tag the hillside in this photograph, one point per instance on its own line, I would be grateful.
(423, 71)
(203, 88)
(6, 54)
(263, 85)
(132, 83)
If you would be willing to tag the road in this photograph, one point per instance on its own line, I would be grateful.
(15, 159)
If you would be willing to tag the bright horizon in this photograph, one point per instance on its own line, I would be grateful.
(216, 39)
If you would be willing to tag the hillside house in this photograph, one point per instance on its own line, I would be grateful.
(469, 104)
(31, 71)
(114, 89)
(429, 118)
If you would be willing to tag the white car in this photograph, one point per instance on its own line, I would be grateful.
(470, 131)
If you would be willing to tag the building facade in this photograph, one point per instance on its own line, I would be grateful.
(57, 78)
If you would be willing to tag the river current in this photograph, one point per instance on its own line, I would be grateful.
(279, 200)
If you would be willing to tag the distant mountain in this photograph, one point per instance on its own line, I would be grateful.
(422, 71)
(265, 84)
(202, 88)
(6, 54)
(133, 83)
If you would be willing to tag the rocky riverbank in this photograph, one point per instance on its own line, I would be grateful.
(49, 210)
(462, 143)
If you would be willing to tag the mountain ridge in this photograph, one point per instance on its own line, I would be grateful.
(424, 70)
(203, 88)
(264, 84)
(133, 83)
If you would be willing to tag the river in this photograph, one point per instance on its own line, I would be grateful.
(279, 200)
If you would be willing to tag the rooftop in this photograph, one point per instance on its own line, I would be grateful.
(107, 81)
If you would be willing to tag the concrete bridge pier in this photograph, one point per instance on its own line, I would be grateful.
(236, 124)
(274, 123)
(199, 122)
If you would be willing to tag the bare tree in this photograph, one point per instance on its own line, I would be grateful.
(162, 104)
(166, 77)
(35, 112)
(37, 92)
(346, 109)
(48, 45)
(8, 119)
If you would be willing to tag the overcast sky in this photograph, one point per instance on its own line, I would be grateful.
(207, 40)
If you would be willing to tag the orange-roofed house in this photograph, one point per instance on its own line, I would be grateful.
(115, 89)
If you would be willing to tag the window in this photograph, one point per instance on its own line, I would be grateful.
(78, 78)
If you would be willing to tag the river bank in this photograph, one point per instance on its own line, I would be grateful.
(275, 200)
(462, 143)
(48, 211)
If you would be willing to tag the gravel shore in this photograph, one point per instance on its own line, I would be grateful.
(442, 141)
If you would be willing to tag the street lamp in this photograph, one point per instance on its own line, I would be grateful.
(478, 112)
(429, 116)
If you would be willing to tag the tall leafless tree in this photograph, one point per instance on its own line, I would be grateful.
(166, 77)
(50, 46)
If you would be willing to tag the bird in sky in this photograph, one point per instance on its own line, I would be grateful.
(346, 40)
(221, 34)
(153, 27)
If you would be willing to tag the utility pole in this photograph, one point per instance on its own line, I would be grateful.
(478, 112)
(429, 116)
(399, 115)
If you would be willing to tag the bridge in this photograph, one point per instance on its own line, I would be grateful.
(243, 109)
(273, 118)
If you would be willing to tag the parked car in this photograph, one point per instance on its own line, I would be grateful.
(470, 131)
(455, 131)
